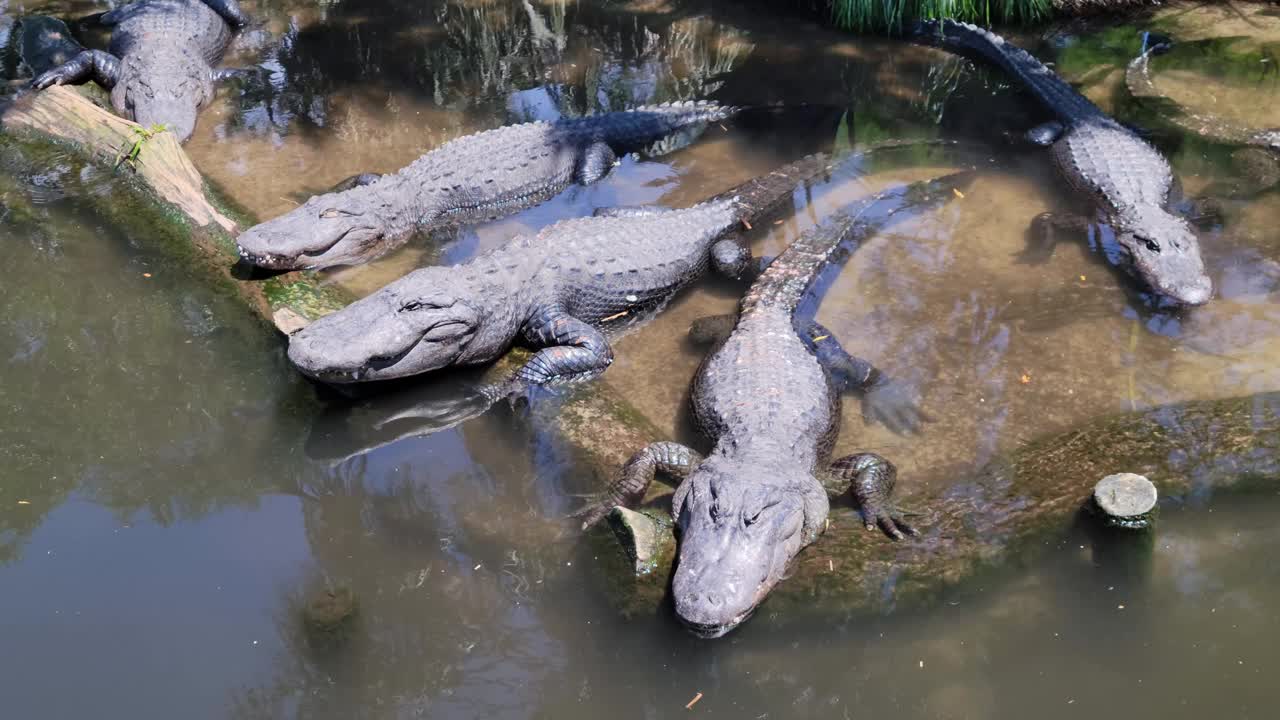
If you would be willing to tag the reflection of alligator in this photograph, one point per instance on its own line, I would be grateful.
(474, 178)
(773, 411)
(1127, 180)
(1260, 158)
(558, 290)
(160, 65)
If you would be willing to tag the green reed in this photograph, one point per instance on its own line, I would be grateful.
(895, 14)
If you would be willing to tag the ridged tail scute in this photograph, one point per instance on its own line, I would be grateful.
(975, 42)
(784, 283)
(764, 194)
(760, 195)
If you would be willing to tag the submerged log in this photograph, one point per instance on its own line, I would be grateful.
(1008, 512)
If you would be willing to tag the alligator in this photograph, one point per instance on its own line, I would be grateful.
(767, 400)
(561, 291)
(160, 63)
(1126, 182)
(1259, 155)
(474, 178)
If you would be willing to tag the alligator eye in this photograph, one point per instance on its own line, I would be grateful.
(752, 520)
(1150, 244)
(411, 306)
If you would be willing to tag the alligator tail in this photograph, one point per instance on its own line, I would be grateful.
(655, 129)
(761, 195)
(975, 42)
(764, 194)
(785, 282)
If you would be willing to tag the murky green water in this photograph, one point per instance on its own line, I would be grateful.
(165, 516)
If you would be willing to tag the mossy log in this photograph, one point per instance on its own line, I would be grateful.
(160, 173)
(163, 196)
(1014, 507)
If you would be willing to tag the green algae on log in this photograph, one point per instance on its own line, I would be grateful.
(170, 193)
(1000, 517)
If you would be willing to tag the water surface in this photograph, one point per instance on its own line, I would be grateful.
(164, 519)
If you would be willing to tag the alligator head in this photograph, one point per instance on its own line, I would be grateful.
(422, 322)
(163, 90)
(740, 526)
(327, 230)
(1161, 250)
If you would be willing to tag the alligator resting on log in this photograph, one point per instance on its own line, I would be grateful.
(472, 179)
(768, 401)
(1125, 180)
(1015, 507)
(162, 196)
(160, 65)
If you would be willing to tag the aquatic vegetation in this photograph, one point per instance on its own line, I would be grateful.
(881, 14)
(129, 154)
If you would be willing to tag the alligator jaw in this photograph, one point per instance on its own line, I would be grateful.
(711, 632)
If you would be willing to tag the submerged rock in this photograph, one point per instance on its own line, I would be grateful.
(327, 614)
(1003, 515)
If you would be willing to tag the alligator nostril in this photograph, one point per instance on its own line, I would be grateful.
(714, 600)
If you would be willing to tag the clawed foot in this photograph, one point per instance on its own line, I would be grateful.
(56, 76)
(593, 512)
(1041, 241)
(893, 404)
(889, 520)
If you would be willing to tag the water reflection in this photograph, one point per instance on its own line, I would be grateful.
(172, 481)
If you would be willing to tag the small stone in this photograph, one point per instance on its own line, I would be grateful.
(639, 535)
(1125, 499)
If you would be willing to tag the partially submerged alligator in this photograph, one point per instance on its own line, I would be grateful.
(772, 410)
(1210, 127)
(474, 178)
(160, 65)
(1127, 182)
(1020, 505)
(1259, 154)
(560, 291)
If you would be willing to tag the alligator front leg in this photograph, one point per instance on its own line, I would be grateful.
(731, 257)
(632, 483)
(571, 351)
(96, 65)
(885, 400)
(230, 11)
(1046, 229)
(1045, 134)
(871, 479)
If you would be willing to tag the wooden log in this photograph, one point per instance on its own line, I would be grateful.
(1016, 506)
(162, 173)
(65, 114)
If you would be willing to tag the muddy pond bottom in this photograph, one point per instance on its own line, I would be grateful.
(170, 546)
